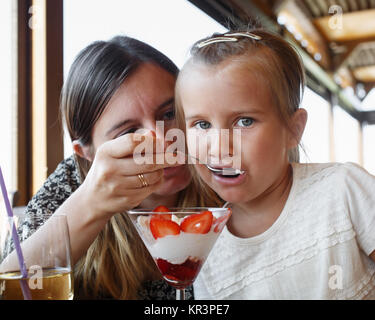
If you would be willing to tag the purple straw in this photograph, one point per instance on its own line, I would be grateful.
(25, 288)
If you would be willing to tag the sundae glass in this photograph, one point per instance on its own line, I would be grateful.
(179, 240)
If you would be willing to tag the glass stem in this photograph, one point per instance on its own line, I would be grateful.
(180, 294)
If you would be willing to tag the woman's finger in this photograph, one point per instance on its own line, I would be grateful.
(124, 146)
(143, 180)
(133, 198)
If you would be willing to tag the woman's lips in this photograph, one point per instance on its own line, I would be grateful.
(168, 172)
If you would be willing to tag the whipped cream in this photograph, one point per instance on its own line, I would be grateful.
(177, 248)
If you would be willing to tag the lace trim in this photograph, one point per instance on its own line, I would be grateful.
(366, 286)
(286, 251)
(228, 286)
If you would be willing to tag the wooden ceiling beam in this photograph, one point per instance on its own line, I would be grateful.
(365, 74)
(368, 86)
(353, 5)
(304, 31)
(344, 5)
(314, 9)
(353, 26)
(323, 6)
(339, 60)
(313, 69)
(349, 55)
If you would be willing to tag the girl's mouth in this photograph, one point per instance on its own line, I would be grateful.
(229, 180)
(225, 171)
(228, 176)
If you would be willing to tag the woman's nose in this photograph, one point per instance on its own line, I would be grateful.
(159, 131)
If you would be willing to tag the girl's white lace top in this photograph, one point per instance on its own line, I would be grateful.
(317, 248)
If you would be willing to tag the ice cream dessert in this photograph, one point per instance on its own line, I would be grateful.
(180, 242)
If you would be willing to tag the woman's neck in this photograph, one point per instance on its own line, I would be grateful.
(155, 200)
(256, 216)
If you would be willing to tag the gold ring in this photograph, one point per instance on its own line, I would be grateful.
(143, 180)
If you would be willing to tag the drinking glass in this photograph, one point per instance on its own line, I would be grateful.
(179, 240)
(46, 254)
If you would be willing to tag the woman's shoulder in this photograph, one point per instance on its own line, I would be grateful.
(55, 190)
(66, 176)
(66, 170)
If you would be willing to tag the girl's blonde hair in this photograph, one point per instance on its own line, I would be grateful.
(270, 56)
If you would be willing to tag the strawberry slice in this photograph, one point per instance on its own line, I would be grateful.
(197, 223)
(161, 227)
(219, 223)
(161, 209)
(162, 216)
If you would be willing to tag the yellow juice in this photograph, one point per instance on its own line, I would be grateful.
(55, 284)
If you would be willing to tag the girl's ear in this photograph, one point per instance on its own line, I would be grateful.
(82, 150)
(298, 124)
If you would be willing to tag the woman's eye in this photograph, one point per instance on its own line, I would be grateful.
(245, 122)
(132, 130)
(202, 125)
(169, 115)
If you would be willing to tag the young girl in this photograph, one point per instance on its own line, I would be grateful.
(298, 231)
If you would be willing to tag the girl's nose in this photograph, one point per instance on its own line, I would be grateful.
(220, 146)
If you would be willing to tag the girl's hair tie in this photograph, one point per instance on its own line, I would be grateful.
(230, 36)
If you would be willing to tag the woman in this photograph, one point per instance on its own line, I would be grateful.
(113, 89)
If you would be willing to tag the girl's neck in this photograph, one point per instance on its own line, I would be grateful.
(256, 216)
(155, 200)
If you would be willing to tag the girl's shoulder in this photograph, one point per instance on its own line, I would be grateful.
(332, 174)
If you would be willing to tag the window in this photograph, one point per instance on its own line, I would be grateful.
(369, 148)
(346, 136)
(369, 135)
(315, 140)
(8, 114)
(171, 26)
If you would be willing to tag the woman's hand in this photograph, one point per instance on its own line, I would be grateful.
(112, 184)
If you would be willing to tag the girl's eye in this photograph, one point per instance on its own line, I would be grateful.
(169, 115)
(202, 125)
(245, 122)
